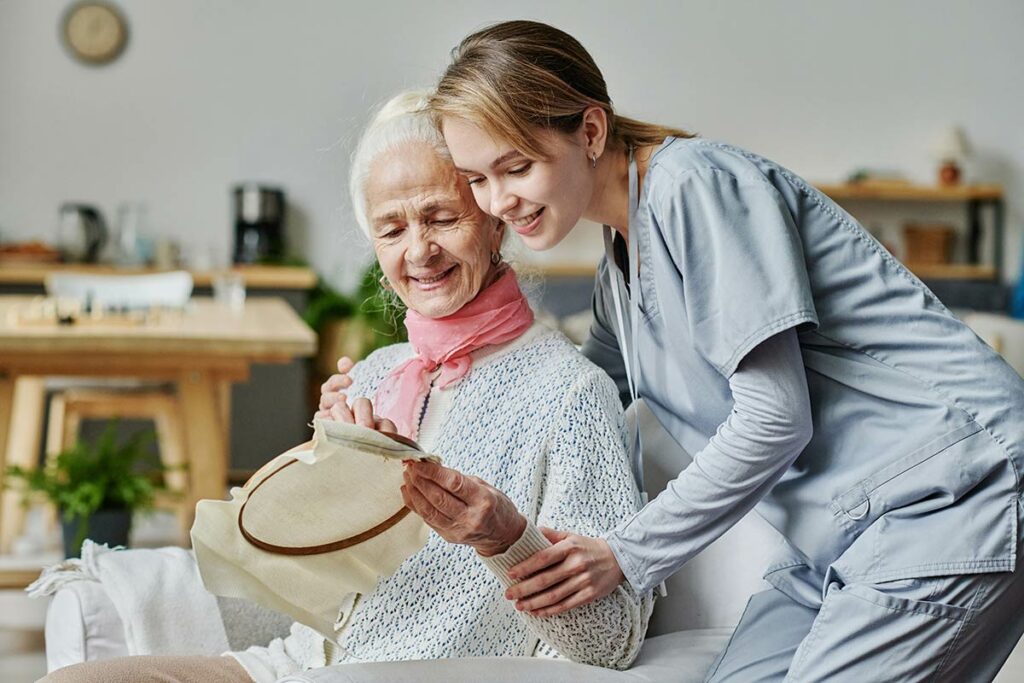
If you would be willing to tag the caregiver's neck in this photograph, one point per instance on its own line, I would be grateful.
(609, 202)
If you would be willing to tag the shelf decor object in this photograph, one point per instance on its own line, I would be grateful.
(952, 150)
(928, 243)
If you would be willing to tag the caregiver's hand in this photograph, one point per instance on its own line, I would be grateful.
(331, 390)
(572, 572)
(462, 509)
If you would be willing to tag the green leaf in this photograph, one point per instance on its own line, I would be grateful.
(89, 477)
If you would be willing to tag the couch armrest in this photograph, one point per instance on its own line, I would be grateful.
(82, 625)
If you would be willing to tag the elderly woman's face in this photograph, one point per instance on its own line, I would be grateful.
(433, 242)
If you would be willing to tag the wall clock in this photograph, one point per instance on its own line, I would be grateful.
(94, 32)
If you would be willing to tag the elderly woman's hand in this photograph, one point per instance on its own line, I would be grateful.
(331, 391)
(462, 509)
(360, 413)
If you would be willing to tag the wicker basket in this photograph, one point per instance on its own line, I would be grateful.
(928, 243)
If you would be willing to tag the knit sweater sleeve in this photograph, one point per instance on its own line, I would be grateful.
(587, 488)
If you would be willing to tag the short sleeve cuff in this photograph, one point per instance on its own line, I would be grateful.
(797, 319)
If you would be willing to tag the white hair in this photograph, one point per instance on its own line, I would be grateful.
(403, 119)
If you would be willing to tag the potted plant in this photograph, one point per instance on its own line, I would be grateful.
(97, 487)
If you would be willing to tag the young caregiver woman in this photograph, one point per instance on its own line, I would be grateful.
(810, 374)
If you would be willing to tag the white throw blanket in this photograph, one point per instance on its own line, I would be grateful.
(157, 594)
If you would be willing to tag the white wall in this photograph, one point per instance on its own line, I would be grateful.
(209, 93)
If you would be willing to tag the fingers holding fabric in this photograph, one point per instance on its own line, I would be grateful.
(450, 480)
(439, 498)
(341, 412)
(418, 503)
(359, 412)
(362, 411)
(462, 509)
(332, 391)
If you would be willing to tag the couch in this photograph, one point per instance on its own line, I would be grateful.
(687, 631)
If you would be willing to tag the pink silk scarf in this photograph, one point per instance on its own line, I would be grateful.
(498, 314)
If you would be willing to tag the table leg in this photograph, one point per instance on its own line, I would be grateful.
(6, 413)
(224, 398)
(6, 404)
(24, 436)
(204, 436)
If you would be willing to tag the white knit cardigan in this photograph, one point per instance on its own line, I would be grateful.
(539, 422)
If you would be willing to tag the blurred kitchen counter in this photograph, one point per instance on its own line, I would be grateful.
(256, 277)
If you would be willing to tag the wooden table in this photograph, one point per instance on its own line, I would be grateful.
(256, 277)
(202, 351)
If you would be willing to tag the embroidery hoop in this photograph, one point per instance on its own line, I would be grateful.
(330, 546)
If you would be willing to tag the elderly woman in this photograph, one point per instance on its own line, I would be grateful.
(531, 434)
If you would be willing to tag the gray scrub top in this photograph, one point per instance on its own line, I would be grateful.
(913, 466)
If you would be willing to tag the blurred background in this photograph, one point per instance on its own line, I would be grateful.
(207, 95)
(140, 136)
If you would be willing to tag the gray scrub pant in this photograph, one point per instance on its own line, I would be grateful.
(948, 628)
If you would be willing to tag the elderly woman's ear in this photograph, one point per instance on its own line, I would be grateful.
(499, 236)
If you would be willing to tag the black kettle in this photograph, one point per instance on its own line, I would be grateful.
(83, 232)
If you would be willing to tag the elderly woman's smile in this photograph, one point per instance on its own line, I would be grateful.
(433, 242)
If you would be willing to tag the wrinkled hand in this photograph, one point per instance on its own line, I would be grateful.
(462, 509)
(331, 391)
(334, 403)
(572, 572)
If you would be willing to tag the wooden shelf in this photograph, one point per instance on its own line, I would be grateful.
(952, 271)
(256, 277)
(878, 191)
(912, 193)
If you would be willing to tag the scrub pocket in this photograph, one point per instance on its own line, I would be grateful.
(900, 518)
(897, 630)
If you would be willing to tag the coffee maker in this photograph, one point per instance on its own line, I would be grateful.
(259, 224)
(82, 232)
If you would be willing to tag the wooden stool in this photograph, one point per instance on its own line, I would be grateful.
(69, 408)
(24, 414)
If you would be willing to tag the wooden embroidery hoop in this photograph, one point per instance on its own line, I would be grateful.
(331, 546)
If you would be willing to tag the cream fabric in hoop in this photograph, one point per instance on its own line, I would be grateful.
(347, 484)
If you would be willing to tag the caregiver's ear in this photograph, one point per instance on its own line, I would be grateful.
(594, 130)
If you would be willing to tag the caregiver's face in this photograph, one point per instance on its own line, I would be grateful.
(432, 241)
(542, 200)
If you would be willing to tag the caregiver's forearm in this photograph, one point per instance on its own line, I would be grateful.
(768, 428)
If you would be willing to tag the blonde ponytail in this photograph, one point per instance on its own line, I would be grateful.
(516, 77)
